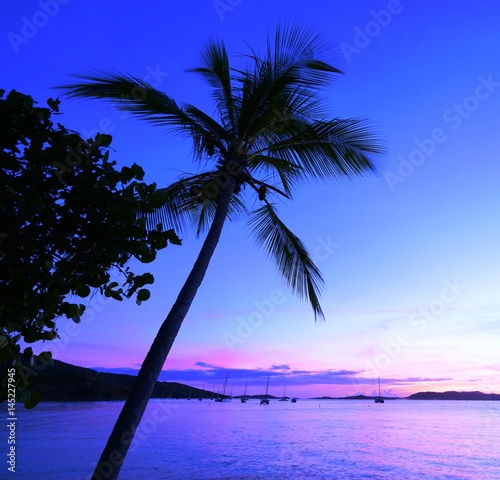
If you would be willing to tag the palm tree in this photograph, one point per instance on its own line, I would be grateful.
(269, 134)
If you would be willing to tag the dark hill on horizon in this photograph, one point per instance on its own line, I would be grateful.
(355, 397)
(452, 395)
(64, 382)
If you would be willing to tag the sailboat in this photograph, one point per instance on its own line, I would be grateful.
(244, 398)
(218, 397)
(284, 398)
(379, 399)
(222, 396)
(265, 401)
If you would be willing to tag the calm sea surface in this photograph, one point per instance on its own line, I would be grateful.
(312, 439)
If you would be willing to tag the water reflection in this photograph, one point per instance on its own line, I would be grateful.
(309, 439)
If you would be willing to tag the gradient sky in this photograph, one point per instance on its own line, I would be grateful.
(410, 256)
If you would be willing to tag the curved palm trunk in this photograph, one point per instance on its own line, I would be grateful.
(121, 437)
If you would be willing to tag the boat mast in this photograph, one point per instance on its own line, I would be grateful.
(225, 385)
(265, 401)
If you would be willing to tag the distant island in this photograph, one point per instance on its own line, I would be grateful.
(355, 397)
(64, 382)
(454, 396)
(451, 395)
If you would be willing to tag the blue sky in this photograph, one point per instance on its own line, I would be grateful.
(410, 256)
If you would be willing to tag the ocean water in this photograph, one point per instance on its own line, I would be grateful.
(312, 439)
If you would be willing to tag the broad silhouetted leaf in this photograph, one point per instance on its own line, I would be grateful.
(143, 295)
(33, 400)
(70, 220)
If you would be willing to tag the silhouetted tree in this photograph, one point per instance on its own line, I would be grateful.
(68, 219)
(270, 134)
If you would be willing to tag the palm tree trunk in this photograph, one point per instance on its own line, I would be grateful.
(119, 441)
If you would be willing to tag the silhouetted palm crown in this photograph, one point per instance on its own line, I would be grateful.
(270, 134)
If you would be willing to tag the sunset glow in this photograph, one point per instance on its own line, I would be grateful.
(409, 255)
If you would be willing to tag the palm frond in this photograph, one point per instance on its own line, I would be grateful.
(270, 122)
(186, 205)
(292, 259)
(215, 135)
(287, 173)
(264, 188)
(291, 67)
(216, 70)
(323, 149)
(298, 45)
(131, 94)
(206, 212)
(179, 203)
